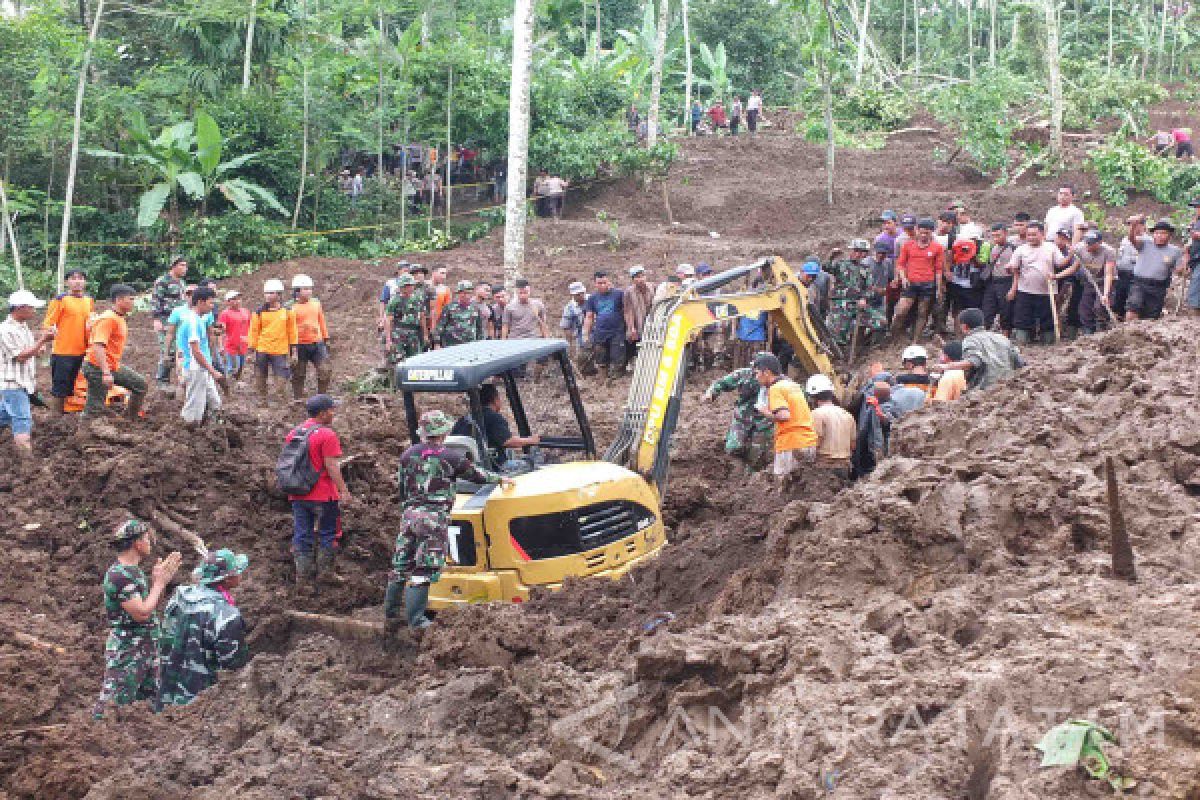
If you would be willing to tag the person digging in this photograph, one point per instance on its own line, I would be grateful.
(427, 475)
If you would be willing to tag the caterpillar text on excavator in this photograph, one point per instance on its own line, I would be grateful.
(589, 517)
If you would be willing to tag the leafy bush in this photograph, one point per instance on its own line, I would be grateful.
(984, 116)
(871, 109)
(814, 131)
(1093, 94)
(1123, 165)
(603, 149)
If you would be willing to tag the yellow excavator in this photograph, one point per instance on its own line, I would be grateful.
(589, 517)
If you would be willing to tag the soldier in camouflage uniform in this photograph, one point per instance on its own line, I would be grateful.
(424, 293)
(461, 321)
(203, 631)
(406, 325)
(131, 662)
(853, 296)
(165, 297)
(751, 435)
(427, 475)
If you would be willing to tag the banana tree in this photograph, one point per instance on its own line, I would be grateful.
(715, 66)
(187, 156)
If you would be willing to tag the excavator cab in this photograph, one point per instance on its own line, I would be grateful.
(572, 518)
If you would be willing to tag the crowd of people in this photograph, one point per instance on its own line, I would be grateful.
(980, 293)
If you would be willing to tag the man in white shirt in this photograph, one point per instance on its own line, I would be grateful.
(1034, 265)
(18, 367)
(1065, 215)
(966, 228)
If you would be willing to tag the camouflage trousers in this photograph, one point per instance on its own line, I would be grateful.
(166, 356)
(841, 322)
(406, 343)
(131, 672)
(421, 546)
(750, 439)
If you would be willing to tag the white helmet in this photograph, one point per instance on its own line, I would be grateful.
(913, 352)
(818, 383)
(302, 281)
(273, 285)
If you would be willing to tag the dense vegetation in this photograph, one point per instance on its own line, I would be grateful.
(220, 126)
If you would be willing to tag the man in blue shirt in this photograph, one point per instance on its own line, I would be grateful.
(604, 325)
(199, 375)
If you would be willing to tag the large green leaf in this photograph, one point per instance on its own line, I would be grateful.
(208, 142)
(237, 194)
(152, 204)
(265, 196)
(192, 183)
(234, 163)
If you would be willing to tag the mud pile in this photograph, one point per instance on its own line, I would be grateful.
(912, 636)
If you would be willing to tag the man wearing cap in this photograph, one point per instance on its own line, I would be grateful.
(987, 356)
(321, 507)
(203, 630)
(820, 286)
(524, 318)
(785, 405)
(461, 320)
(604, 325)
(1157, 259)
(998, 279)
(908, 230)
(165, 296)
(235, 321)
(68, 316)
(674, 283)
(131, 653)
(920, 268)
(889, 230)
(1127, 256)
(639, 297)
(389, 288)
(749, 432)
(1193, 267)
(312, 338)
(406, 325)
(427, 475)
(1034, 265)
(852, 293)
(571, 321)
(272, 340)
(19, 350)
(103, 368)
(1095, 268)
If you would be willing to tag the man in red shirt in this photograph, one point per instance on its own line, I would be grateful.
(321, 507)
(921, 270)
(235, 321)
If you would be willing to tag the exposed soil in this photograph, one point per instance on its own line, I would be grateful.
(909, 637)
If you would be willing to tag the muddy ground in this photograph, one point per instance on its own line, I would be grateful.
(909, 637)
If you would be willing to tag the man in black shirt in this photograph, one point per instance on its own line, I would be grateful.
(496, 430)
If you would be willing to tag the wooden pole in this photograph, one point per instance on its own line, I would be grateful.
(1122, 551)
(11, 235)
(449, 142)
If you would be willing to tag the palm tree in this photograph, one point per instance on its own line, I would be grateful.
(716, 68)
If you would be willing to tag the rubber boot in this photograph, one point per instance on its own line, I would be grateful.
(1020, 336)
(1047, 337)
(326, 573)
(56, 404)
(299, 373)
(306, 574)
(284, 387)
(416, 600)
(923, 308)
(324, 377)
(260, 386)
(392, 621)
(133, 407)
(1070, 332)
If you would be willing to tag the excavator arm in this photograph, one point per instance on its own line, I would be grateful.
(655, 394)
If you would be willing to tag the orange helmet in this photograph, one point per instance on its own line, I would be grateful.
(964, 251)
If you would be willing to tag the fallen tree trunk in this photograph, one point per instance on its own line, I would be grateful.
(337, 626)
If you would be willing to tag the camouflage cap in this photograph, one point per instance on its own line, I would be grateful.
(406, 280)
(465, 286)
(130, 529)
(435, 423)
(219, 565)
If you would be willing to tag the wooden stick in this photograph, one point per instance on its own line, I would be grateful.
(338, 626)
(35, 729)
(36, 643)
(1054, 306)
(1121, 549)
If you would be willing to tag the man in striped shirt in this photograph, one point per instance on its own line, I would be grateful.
(18, 367)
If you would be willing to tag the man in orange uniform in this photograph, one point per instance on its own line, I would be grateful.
(68, 315)
(103, 368)
(795, 437)
(272, 340)
(312, 338)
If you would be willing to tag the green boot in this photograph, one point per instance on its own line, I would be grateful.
(326, 573)
(416, 600)
(306, 574)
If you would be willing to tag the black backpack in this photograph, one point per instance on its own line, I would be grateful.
(294, 473)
